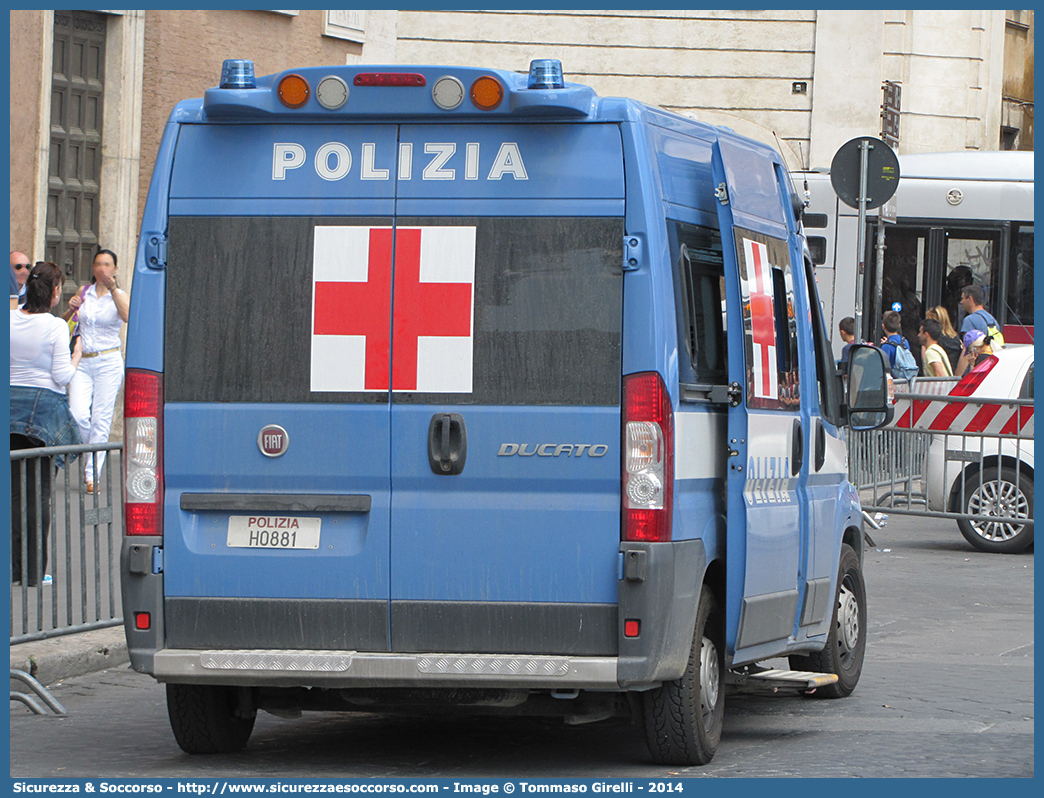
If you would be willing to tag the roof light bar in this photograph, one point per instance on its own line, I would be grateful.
(546, 73)
(238, 73)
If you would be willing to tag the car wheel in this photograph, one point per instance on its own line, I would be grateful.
(682, 719)
(846, 643)
(1001, 497)
(204, 720)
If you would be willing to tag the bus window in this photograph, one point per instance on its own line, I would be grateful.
(1020, 278)
(903, 281)
(971, 257)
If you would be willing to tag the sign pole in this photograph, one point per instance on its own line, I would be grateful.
(864, 149)
(864, 174)
(887, 213)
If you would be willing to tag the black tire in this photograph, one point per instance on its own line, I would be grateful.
(682, 719)
(203, 719)
(985, 493)
(846, 643)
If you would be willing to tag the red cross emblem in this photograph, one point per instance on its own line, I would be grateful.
(763, 322)
(354, 331)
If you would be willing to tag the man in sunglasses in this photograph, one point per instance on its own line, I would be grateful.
(20, 268)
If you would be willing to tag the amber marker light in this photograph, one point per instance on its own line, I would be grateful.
(486, 93)
(294, 91)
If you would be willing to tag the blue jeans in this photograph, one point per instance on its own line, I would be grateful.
(39, 417)
(26, 476)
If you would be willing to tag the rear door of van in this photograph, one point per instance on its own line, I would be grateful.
(259, 441)
(506, 389)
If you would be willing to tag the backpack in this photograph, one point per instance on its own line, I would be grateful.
(952, 347)
(905, 367)
(996, 339)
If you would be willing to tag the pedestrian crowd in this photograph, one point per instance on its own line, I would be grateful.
(943, 351)
(66, 372)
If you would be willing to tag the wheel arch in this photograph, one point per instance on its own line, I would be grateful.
(853, 536)
(714, 578)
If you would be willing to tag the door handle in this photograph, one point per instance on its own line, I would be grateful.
(447, 444)
(820, 444)
(797, 448)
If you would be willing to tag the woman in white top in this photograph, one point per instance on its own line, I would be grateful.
(102, 309)
(41, 366)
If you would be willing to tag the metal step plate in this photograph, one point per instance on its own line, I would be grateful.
(777, 679)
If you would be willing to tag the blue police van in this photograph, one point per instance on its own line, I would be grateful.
(470, 389)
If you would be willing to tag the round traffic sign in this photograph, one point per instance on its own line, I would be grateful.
(882, 172)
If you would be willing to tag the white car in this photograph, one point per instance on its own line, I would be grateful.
(988, 476)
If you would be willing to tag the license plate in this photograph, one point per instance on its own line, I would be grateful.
(273, 532)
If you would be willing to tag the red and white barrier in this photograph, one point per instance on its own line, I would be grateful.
(951, 414)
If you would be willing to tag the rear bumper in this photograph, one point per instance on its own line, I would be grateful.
(536, 646)
(295, 668)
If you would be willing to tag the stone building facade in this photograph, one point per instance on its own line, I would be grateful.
(91, 91)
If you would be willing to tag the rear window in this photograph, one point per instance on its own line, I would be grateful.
(546, 325)
(699, 275)
(1027, 385)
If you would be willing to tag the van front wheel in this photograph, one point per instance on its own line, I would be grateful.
(204, 719)
(683, 718)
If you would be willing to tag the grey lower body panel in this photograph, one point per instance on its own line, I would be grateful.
(247, 623)
(504, 627)
(473, 627)
(334, 669)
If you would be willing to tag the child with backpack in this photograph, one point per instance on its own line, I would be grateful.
(900, 358)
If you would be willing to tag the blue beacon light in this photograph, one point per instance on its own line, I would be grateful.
(238, 73)
(546, 73)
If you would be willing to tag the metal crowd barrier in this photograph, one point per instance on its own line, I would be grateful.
(947, 456)
(82, 543)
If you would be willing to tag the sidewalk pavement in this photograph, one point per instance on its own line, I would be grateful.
(49, 661)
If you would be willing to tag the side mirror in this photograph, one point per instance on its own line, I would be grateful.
(797, 206)
(866, 399)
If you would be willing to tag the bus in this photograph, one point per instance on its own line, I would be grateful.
(961, 218)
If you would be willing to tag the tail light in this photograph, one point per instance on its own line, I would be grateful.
(400, 79)
(143, 453)
(648, 458)
(971, 381)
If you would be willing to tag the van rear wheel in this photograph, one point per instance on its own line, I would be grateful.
(682, 719)
(204, 720)
(846, 643)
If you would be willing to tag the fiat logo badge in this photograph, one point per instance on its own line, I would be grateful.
(272, 440)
